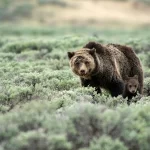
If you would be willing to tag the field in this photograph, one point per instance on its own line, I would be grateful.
(76, 12)
(44, 107)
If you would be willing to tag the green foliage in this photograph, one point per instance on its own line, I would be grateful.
(106, 143)
(9, 10)
(18, 47)
(61, 3)
(42, 104)
(143, 1)
(147, 86)
(82, 125)
(137, 1)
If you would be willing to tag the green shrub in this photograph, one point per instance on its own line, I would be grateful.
(61, 3)
(18, 47)
(143, 1)
(42, 103)
(106, 143)
(147, 86)
(10, 11)
(82, 125)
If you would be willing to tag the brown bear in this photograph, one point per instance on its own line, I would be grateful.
(106, 67)
(131, 87)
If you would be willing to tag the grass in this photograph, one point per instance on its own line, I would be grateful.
(42, 104)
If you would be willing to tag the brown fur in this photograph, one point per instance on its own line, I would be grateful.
(82, 61)
(134, 62)
(112, 64)
(131, 87)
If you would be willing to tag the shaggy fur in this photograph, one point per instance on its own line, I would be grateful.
(111, 65)
(134, 62)
(131, 87)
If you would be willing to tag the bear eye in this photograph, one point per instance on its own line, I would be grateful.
(77, 63)
(130, 86)
(135, 86)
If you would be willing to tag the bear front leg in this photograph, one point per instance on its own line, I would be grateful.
(116, 87)
(124, 95)
(98, 90)
(88, 82)
(85, 82)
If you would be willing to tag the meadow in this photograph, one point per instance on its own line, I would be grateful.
(44, 107)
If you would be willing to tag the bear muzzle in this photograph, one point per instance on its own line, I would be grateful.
(133, 91)
(82, 72)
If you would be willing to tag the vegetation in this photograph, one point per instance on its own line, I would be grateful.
(61, 3)
(143, 1)
(14, 10)
(43, 106)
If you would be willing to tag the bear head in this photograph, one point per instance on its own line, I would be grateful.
(82, 62)
(132, 84)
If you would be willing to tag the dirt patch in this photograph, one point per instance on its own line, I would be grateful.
(93, 12)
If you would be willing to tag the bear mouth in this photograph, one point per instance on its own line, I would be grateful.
(133, 92)
(83, 74)
(86, 76)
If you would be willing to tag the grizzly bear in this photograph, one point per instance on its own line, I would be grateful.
(131, 87)
(106, 66)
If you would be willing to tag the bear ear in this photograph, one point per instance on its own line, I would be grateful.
(92, 51)
(136, 76)
(70, 54)
(125, 81)
(127, 77)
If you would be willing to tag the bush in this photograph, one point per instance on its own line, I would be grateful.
(61, 3)
(10, 11)
(106, 143)
(143, 1)
(147, 86)
(82, 125)
(18, 47)
(42, 104)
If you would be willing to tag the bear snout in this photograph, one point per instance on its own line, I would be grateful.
(133, 91)
(82, 72)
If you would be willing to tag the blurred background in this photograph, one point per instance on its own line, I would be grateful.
(127, 13)
(42, 104)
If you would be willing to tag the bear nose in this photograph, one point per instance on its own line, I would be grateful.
(133, 91)
(82, 71)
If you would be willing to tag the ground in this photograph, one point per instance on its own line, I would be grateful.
(42, 103)
(100, 12)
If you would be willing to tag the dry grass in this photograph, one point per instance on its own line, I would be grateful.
(97, 12)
